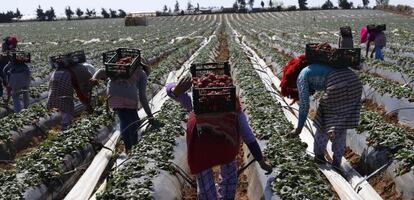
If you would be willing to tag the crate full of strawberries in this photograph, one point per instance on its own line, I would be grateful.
(213, 89)
(341, 58)
(121, 63)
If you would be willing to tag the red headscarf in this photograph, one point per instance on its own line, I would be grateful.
(291, 72)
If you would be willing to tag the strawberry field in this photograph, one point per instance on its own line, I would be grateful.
(37, 161)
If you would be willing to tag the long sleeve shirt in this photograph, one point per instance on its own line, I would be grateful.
(244, 129)
(311, 78)
(123, 93)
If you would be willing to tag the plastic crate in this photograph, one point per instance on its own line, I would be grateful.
(371, 27)
(121, 71)
(77, 57)
(215, 68)
(66, 60)
(217, 99)
(381, 27)
(340, 58)
(204, 102)
(59, 61)
(346, 31)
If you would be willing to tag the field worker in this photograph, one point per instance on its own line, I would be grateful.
(62, 85)
(208, 148)
(17, 74)
(380, 42)
(9, 44)
(376, 35)
(345, 39)
(339, 107)
(123, 97)
(83, 73)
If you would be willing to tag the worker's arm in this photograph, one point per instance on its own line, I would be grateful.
(142, 92)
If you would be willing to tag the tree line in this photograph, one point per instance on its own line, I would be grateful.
(50, 15)
(241, 5)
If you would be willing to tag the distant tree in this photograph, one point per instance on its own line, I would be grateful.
(365, 3)
(382, 2)
(197, 9)
(18, 15)
(262, 4)
(189, 6)
(242, 4)
(291, 8)
(235, 5)
(40, 15)
(7, 17)
(69, 13)
(50, 14)
(122, 13)
(270, 3)
(93, 12)
(344, 4)
(177, 7)
(79, 12)
(165, 9)
(169, 10)
(105, 13)
(113, 13)
(327, 5)
(88, 13)
(303, 4)
(251, 3)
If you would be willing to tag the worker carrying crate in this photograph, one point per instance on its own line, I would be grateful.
(216, 126)
(71, 74)
(126, 90)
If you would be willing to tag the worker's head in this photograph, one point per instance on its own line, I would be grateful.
(10, 43)
(345, 31)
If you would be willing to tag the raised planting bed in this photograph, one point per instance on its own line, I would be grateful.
(151, 158)
(378, 143)
(51, 169)
(19, 129)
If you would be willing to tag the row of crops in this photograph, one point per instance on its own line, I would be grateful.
(381, 86)
(38, 162)
(53, 163)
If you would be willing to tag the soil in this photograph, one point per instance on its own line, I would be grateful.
(223, 50)
(384, 185)
(241, 193)
(390, 118)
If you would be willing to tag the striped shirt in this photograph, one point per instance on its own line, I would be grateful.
(311, 78)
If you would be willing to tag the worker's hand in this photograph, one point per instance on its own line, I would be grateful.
(89, 109)
(331, 135)
(93, 82)
(151, 121)
(183, 85)
(265, 166)
(9, 90)
(294, 133)
(293, 102)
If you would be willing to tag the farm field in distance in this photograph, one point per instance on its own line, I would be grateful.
(51, 162)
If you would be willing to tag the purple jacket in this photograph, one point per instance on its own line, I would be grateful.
(244, 128)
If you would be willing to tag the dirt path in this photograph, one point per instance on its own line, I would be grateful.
(383, 184)
(241, 193)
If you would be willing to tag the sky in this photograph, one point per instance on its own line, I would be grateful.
(28, 7)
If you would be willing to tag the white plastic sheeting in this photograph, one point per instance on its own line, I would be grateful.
(374, 159)
(94, 171)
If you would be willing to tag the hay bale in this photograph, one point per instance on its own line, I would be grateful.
(136, 21)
